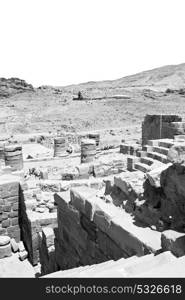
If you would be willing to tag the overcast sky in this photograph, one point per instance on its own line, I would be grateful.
(60, 42)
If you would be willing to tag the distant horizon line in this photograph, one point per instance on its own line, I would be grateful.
(91, 81)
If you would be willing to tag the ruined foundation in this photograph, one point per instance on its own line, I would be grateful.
(79, 214)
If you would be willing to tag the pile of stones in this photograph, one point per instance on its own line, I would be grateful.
(40, 202)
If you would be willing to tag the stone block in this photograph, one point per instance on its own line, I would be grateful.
(5, 223)
(7, 208)
(23, 255)
(4, 240)
(3, 231)
(49, 236)
(14, 245)
(2, 202)
(11, 200)
(21, 246)
(154, 176)
(5, 251)
(5, 216)
(14, 232)
(13, 214)
(9, 189)
(173, 241)
(14, 221)
(15, 206)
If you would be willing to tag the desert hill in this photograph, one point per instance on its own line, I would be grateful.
(25, 109)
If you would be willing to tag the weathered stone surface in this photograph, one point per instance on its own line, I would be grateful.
(23, 255)
(14, 232)
(4, 240)
(5, 223)
(173, 241)
(9, 189)
(154, 176)
(5, 251)
(14, 245)
(49, 236)
(176, 153)
(21, 246)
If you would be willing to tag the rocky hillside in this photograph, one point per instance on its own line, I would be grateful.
(159, 79)
(12, 86)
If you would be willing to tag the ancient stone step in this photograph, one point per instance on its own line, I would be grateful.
(166, 143)
(175, 269)
(141, 153)
(160, 157)
(161, 150)
(131, 160)
(153, 143)
(149, 262)
(148, 148)
(142, 167)
(180, 137)
(67, 273)
(107, 267)
(147, 160)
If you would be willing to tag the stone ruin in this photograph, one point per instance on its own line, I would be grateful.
(96, 211)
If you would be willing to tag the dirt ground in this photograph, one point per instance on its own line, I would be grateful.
(43, 112)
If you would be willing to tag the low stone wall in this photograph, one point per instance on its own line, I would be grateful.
(9, 207)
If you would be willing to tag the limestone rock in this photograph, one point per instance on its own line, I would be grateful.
(4, 240)
(5, 251)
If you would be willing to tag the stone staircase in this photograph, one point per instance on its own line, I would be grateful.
(152, 155)
(145, 266)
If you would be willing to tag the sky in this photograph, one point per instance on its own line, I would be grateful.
(61, 42)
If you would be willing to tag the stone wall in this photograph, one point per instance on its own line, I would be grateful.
(9, 206)
(91, 231)
(32, 223)
(165, 126)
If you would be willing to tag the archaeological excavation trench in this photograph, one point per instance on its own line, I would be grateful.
(89, 209)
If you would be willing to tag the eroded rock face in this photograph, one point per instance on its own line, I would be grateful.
(11, 86)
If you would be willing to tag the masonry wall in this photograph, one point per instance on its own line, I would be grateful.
(91, 231)
(80, 241)
(9, 209)
(153, 128)
(32, 224)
